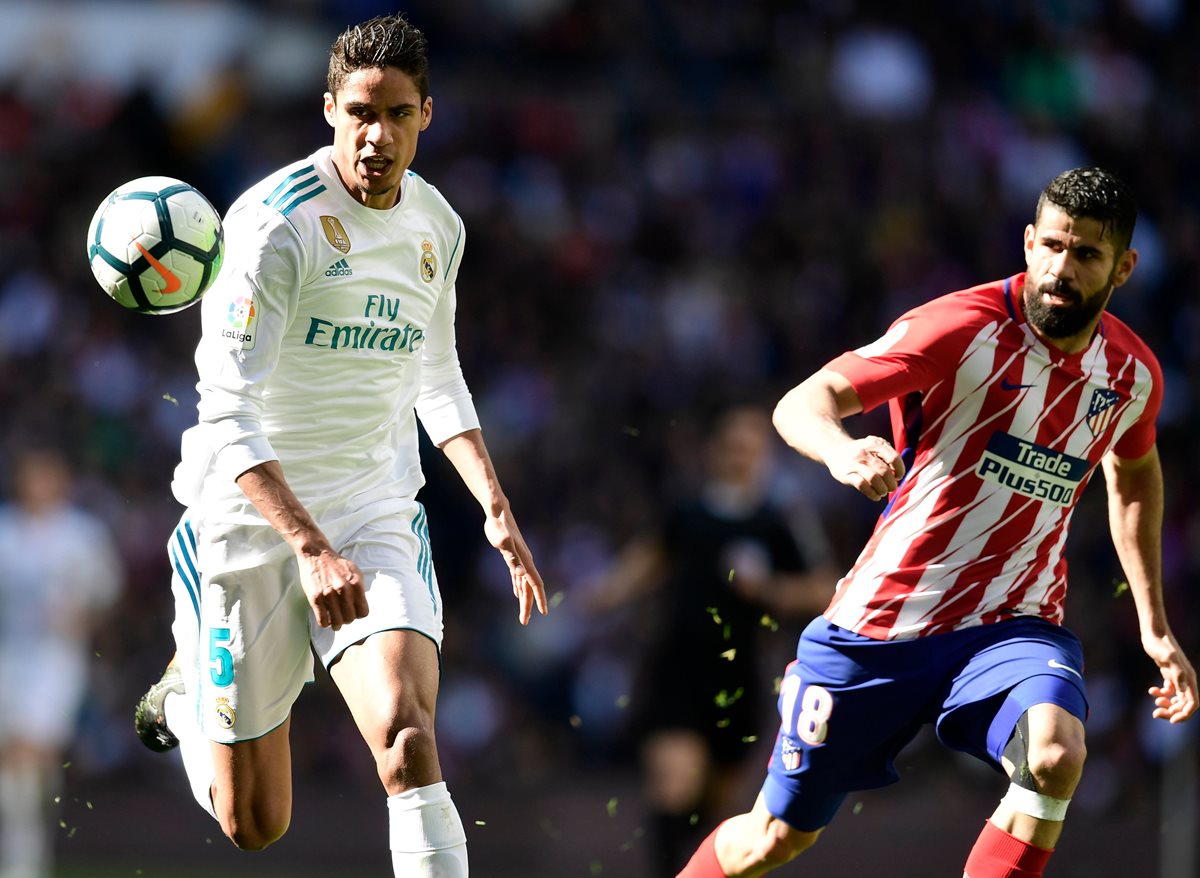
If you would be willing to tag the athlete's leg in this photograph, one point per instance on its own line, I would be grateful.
(753, 844)
(227, 694)
(1045, 759)
(246, 786)
(252, 788)
(1018, 703)
(390, 683)
(1054, 753)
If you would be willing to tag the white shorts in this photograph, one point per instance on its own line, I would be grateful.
(244, 631)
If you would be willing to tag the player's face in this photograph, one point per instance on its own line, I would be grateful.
(377, 116)
(1073, 268)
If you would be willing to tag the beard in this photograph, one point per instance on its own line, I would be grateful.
(1063, 321)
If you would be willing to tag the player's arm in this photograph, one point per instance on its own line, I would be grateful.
(1135, 515)
(265, 267)
(469, 455)
(333, 584)
(809, 418)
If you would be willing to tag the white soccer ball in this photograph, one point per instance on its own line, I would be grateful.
(155, 245)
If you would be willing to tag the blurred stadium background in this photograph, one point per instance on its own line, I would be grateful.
(672, 205)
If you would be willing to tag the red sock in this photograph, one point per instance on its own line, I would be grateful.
(703, 863)
(999, 855)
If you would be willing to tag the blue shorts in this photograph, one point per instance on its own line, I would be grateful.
(848, 704)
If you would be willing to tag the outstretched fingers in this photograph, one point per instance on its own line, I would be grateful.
(503, 533)
(1174, 702)
(528, 587)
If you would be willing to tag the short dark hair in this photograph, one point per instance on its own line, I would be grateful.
(1097, 194)
(384, 41)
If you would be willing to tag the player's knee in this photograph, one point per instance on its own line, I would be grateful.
(255, 827)
(1046, 757)
(1057, 765)
(410, 758)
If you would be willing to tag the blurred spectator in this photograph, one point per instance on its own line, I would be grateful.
(722, 565)
(60, 572)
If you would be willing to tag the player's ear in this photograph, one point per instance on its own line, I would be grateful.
(426, 112)
(330, 108)
(1125, 265)
(1030, 232)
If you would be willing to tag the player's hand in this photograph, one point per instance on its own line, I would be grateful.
(1176, 699)
(869, 465)
(334, 587)
(502, 532)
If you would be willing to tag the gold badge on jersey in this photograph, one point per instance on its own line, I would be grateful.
(225, 713)
(335, 233)
(428, 262)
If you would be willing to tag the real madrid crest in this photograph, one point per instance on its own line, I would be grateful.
(428, 262)
(225, 713)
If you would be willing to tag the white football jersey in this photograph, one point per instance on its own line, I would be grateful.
(328, 332)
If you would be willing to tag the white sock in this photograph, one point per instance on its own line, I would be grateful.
(24, 841)
(194, 747)
(426, 834)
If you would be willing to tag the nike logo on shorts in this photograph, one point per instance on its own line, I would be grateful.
(1052, 663)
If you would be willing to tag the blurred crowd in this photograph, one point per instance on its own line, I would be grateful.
(672, 206)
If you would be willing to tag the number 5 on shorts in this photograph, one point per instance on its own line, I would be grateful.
(811, 722)
(220, 657)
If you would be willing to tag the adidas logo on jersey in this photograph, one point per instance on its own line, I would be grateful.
(341, 268)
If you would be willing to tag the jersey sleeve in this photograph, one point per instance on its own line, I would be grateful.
(244, 318)
(1140, 437)
(917, 351)
(444, 402)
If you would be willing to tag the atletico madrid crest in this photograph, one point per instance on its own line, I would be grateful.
(791, 754)
(1101, 410)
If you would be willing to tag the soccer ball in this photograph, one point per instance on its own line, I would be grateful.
(155, 245)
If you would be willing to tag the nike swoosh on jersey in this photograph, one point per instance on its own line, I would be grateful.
(173, 282)
(1006, 385)
(1052, 663)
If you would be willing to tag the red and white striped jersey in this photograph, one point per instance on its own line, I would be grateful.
(1000, 434)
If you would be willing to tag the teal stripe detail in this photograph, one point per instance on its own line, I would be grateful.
(299, 187)
(420, 528)
(288, 179)
(187, 556)
(453, 252)
(191, 535)
(183, 577)
(303, 198)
